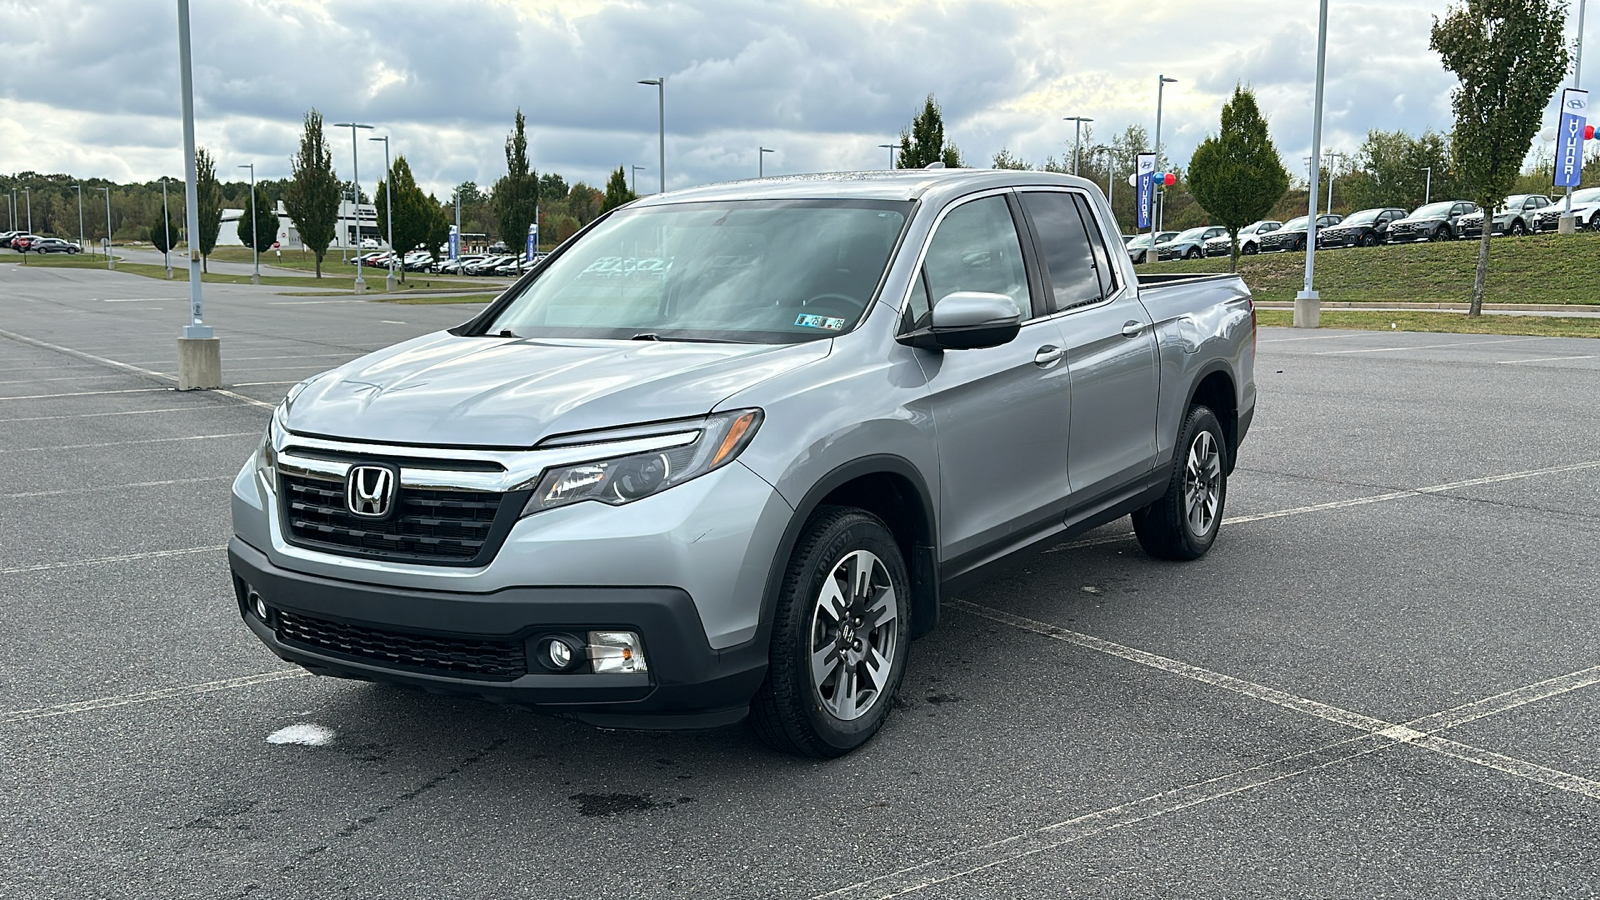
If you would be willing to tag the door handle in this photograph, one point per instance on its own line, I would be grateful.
(1048, 356)
(1132, 329)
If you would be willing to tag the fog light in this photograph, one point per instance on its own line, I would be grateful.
(258, 605)
(560, 654)
(616, 652)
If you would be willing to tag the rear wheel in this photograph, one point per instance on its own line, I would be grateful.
(839, 637)
(1183, 524)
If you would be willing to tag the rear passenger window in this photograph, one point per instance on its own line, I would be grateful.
(1064, 245)
(1097, 243)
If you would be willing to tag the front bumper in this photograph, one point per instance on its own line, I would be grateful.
(430, 639)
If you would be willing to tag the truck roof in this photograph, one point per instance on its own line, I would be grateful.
(898, 184)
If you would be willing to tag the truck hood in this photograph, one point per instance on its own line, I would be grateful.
(441, 389)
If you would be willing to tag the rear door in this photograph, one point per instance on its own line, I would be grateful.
(1111, 346)
(1000, 414)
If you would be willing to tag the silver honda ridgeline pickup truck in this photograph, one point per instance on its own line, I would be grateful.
(723, 452)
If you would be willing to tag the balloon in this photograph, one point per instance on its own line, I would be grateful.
(1170, 179)
(1548, 134)
(1133, 181)
(1588, 132)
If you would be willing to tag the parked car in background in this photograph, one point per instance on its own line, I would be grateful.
(1139, 248)
(21, 242)
(370, 244)
(6, 236)
(1363, 228)
(1292, 236)
(1190, 244)
(53, 245)
(455, 266)
(1585, 208)
(1437, 221)
(1249, 239)
(742, 489)
(1514, 217)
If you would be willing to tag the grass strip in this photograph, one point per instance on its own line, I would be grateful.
(1444, 322)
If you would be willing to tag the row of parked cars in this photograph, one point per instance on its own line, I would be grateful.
(23, 242)
(1439, 221)
(501, 264)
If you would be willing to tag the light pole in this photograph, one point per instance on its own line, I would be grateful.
(1427, 187)
(355, 174)
(1111, 183)
(761, 159)
(661, 121)
(199, 351)
(11, 214)
(111, 261)
(1331, 156)
(255, 240)
(27, 199)
(1307, 303)
(1567, 224)
(1077, 137)
(1161, 85)
(891, 148)
(635, 173)
(388, 210)
(166, 229)
(79, 189)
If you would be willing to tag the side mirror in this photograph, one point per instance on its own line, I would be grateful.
(968, 320)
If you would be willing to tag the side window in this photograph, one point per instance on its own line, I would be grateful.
(1065, 248)
(1097, 243)
(977, 249)
(918, 308)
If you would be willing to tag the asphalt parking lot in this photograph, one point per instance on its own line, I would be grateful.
(1383, 681)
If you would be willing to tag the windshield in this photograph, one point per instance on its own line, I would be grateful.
(1434, 211)
(1293, 224)
(1361, 218)
(1587, 195)
(754, 271)
(1515, 201)
(1193, 234)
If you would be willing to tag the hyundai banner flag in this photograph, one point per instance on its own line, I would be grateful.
(1147, 171)
(533, 241)
(455, 243)
(1569, 137)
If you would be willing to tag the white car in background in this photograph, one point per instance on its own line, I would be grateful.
(1585, 209)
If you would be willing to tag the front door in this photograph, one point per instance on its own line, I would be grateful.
(1000, 413)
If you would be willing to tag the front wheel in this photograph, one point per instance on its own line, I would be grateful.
(1369, 240)
(1517, 229)
(839, 637)
(1193, 254)
(1183, 524)
(1249, 250)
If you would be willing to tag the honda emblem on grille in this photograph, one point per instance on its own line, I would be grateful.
(369, 491)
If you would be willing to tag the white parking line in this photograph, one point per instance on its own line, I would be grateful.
(187, 437)
(65, 378)
(120, 487)
(1426, 346)
(103, 560)
(1523, 362)
(24, 339)
(125, 412)
(91, 393)
(188, 690)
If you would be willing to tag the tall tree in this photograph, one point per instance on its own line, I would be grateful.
(516, 194)
(1393, 168)
(265, 233)
(1237, 175)
(312, 198)
(1510, 59)
(617, 192)
(924, 142)
(416, 215)
(208, 197)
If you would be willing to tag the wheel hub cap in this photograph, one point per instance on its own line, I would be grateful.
(1202, 484)
(853, 635)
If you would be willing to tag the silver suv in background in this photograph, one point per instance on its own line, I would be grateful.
(1249, 239)
(722, 453)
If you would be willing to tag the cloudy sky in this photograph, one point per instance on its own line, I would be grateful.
(90, 87)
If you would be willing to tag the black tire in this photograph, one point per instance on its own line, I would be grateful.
(790, 713)
(1249, 250)
(1369, 240)
(1442, 233)
(1164, 527)
(1194, 253)
(1299, 243)
(1517, 229)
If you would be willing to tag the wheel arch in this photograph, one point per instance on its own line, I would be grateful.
(1216, 388)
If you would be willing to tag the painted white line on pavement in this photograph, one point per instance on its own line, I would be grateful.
(105, 560)
(120, 487)
(20, 338)
(65, 378)
(1318, 337)
(1523, 362)
(262, 383)
(146, 300)
(308, 302)
(1499, 703)
(91, 393)
(188, 690)
(187, 437)
(1510, 765)
(1427, 346)
(125, 412)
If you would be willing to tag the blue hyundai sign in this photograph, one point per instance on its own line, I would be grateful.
(533, 241)
(1147, 171)
(1569, 137)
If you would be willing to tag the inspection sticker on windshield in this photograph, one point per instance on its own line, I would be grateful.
(805, 321)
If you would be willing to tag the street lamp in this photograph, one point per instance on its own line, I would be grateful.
(11, 213)
(761, 159)
(1077, 138)
(355, 174)
(79, 189)
(1331, 155)
(388, 210)
(166, 229)
(1111, 182)
(1427, 188)
(660, 85)
(1161, 86)
(27, 197)
(636, 179)
(111, 261)
(255, 240)
(1307, 303)
(891, 148)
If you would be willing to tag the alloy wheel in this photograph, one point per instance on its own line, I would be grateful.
(1202, 483)
(853, 636)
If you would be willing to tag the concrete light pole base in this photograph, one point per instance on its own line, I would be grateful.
(361, 286)
(199, 364)
(1567, 225)
(1307, 309)
(388, 285)
(255, 279)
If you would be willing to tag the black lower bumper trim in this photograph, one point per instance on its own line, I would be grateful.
(689, 685)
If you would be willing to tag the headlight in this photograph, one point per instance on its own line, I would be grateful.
(624, 479)
(267, 454)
